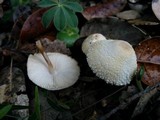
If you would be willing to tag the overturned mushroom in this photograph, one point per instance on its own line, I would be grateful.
(111, 60)
(52, 71)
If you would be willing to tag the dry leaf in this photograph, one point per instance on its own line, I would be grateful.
(11, 82)
(55, 46)
(128, 15)
(1, 1)
(113, 28)
(102, 10)
(33, 27)
(144, 99)
(18, 24)
(148, 54)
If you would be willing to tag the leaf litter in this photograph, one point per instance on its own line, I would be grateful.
(90, 98)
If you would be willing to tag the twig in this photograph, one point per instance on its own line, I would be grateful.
(10, 75)
(98, 101)
(128, 101)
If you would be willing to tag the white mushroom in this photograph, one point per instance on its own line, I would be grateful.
(111, 60)
(52, 71)
(156, 8)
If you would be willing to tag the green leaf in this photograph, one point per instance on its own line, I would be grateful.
(37, 104)
(75, 6)
(68, 38)
(5, 110)
(74, 19)
(48, 16)
(36, 114)
(70, 17)
(59, 19)
(139, 78)
(19, 107)
(47, 3)
(14, 107)
(62, 1)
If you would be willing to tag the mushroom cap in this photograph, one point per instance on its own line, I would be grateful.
(112, 60)
(156, 8)
(65, 71)
(90, 40)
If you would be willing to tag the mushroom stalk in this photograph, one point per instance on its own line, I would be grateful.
(45, 56)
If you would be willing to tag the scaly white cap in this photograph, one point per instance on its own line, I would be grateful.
(111, 60)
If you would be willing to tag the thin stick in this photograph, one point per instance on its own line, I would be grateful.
(89, 106)
(10, 75)
(128, 101)
(45, 56)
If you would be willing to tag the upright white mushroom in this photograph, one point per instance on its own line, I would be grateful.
(52, 71)
(111, 60)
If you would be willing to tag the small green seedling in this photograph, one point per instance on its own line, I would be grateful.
(63, 15)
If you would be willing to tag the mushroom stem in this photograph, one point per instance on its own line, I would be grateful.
(45, 56)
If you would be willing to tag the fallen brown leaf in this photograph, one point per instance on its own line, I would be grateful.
(148, 55)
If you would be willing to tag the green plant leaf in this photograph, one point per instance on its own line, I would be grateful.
(70, 17)
(37, 104)
(139, 78)
(68, 38)
(62, 1)
(59, 19)
(74, 19)
(37, 113)
(14, 107)
(75, 6)
(5, 110)
(48, 16)
(47, 3)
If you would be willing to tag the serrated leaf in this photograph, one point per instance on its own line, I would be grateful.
(5, 110)
(59, 19)
(48, 16)
(76, 7)
(47, 3)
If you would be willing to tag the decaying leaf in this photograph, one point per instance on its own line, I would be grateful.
(144, 99)
(102, 10)
(142, 22)
(33, 27)
(1, 1)
(55, 46)
(17, 83)
(18, 24)
(12, 85)
(113, 28)
(128, 14)
(148, 55)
